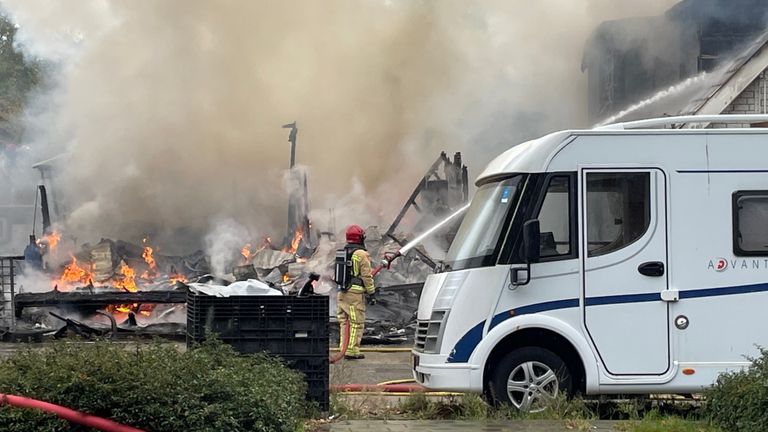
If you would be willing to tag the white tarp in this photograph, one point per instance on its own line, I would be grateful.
(247, 287)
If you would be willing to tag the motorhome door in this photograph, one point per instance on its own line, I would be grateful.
(624, 259)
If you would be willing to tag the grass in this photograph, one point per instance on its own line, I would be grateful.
(575, 414)
(473, 407)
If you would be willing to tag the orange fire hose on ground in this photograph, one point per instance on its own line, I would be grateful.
(344, 345)
(386, 388)
(68, 414)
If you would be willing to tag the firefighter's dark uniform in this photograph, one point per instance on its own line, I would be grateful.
(351, 303)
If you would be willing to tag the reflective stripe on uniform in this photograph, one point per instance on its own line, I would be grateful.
(351, 348)
(356, 273)
(361, 270)
(342, 333)
(355, 265)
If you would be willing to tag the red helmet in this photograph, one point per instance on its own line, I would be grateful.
(355, 234)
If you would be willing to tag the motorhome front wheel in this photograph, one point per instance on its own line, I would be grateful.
(530, 379)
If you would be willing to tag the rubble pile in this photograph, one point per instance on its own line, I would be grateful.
(116, 287)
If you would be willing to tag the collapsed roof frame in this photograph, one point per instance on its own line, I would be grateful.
(456, 181)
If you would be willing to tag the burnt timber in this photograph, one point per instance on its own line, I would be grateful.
(435, 197)
(96, 300)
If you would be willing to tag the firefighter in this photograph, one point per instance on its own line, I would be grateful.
(33, 254)
(351, 302)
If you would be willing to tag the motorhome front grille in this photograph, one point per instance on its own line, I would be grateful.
(428, 333)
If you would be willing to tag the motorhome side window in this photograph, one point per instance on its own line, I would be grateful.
(750, 223)
(554, 219)
(619, 210)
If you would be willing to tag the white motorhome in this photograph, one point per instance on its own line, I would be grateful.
(616, 260)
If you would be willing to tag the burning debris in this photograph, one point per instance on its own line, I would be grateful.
(114, 283)
(112, 278)
(126, 267)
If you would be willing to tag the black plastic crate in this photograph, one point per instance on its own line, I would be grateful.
(276, 324)
(315, 370)
(293, 328)
(273, 342)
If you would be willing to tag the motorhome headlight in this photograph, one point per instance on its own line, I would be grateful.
(429, 333)
(448, 291)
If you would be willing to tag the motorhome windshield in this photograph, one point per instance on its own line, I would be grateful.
(478, 237)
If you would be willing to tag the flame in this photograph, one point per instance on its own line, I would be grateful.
(297, 236)
(144, 309)
(120, 309)
(149, 258)
(286, 279)
(125, 278)
(127, 281)
(177, 278)
(73, 273)
(51, 240)
(246, 253)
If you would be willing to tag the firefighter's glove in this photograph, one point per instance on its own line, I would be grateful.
(372, 300)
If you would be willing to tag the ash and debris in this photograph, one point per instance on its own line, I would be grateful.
(78, 311)
(120, 288)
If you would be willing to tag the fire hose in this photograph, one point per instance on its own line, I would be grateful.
(68, 414)
(387, 263)
(389, 388)
(344, 345)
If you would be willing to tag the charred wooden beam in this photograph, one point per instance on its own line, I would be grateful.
(76, 326)
(45, 211)
(94, 300)
(415, 194)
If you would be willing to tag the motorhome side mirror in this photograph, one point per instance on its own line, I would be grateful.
(531, 241)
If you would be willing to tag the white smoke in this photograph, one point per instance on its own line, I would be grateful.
(33, 281)
(222, 243)
(171, 111)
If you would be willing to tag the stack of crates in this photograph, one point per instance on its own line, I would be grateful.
(293, 328)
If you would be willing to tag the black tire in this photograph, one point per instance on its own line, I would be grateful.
(521, 379)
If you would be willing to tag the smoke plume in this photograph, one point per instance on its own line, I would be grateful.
(171, 110)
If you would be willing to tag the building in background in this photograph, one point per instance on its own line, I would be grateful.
(629, 60)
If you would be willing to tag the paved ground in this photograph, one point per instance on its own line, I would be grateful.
(459, 426)
(375, 368)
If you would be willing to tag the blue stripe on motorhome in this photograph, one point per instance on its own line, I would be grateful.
(619, 299)
(534, 308)
(466, 345)
(713, 292)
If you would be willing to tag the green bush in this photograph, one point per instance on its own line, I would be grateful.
(155, 387)
(739, 400)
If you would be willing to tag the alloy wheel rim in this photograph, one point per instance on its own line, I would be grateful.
(532, 386)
